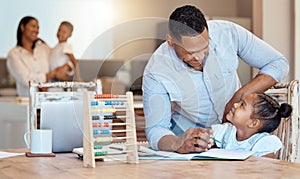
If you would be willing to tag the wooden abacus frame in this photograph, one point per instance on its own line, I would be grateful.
(36, 97)
(131, 150)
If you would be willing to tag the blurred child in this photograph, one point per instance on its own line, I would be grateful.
(251, 121)
(62, 53)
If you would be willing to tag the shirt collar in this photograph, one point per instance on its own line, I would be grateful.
(21, 49)
(177, 62)
(212, 44)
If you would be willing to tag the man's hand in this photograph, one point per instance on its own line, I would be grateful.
(195, 140)
(259, 84)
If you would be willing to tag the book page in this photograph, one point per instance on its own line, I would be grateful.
(226, 154)
(9, 154)
(210, 154)
(164, 154)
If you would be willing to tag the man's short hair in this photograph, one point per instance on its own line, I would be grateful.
(186, 21)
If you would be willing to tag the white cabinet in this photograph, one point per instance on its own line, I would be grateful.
(13, 123)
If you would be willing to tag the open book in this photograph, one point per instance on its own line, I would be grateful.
(212, 154)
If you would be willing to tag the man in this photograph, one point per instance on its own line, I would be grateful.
(191, 80)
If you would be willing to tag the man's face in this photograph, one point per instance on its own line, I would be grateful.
(193, 49)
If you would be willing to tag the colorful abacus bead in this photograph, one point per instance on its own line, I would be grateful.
(115, 103)
(103, 96)
(103, 139)
(103, 110)
(95, 131)
(109, 110)
(94, 103)
(98, 146)
(108, 102)
(95, 117)
(106, 124)
(110, 117)
(104, 153)
(97, 124)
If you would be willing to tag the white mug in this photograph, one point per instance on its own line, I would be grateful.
(40, 141)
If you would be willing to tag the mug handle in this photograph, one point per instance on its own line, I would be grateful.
(25, 139)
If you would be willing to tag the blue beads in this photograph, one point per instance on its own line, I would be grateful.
(107, 103)
(95, 132)
(105, 132)
(94, 103)
(115, 103)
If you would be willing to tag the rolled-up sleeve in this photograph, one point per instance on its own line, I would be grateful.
(259, 54)
(157, 109)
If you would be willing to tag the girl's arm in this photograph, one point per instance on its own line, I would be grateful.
(270, 155)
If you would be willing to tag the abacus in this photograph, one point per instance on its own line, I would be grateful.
(99, 112)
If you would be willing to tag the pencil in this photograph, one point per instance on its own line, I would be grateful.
(217, 141)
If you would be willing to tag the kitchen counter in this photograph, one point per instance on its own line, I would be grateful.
(13, 122)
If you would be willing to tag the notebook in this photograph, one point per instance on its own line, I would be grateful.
(65, 120)
(211, 154)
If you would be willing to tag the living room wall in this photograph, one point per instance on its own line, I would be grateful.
(92, 18)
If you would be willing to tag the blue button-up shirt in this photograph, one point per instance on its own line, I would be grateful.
(177, 97)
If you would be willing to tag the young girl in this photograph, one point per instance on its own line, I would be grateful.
(251, 121)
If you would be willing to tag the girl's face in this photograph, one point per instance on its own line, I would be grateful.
(30, 30)
(63, 33)
(241, 112)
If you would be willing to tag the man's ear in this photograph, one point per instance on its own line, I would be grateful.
(169, 40)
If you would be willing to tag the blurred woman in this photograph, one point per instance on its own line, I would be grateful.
(29, 59)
